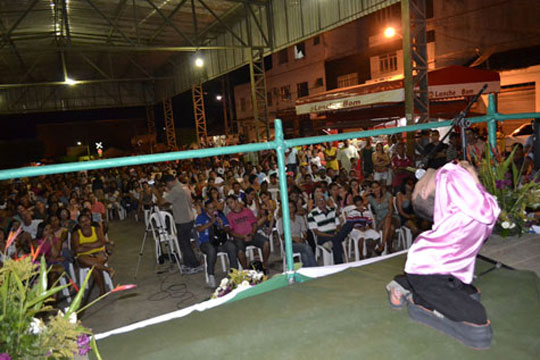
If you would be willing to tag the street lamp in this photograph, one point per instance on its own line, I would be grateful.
(70, 81)
(389, 32)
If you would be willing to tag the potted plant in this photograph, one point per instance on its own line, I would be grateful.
(30, 327)
(515, 193)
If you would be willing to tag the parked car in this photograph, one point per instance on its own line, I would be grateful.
(519, 135)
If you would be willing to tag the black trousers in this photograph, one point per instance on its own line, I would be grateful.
(184, 241)
(446, 294)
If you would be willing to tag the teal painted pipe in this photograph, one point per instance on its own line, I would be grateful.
(131, 160)
(492, 123)
(285, 216)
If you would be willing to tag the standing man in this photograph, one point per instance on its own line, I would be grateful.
(347, 156)
(436, 151)
(291, 159)
(367, 159)
(179, 197)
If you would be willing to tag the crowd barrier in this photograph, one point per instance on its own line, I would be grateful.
(279, 145)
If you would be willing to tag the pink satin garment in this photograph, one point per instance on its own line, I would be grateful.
(464, 217)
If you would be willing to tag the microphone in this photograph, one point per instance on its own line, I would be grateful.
(418, 172)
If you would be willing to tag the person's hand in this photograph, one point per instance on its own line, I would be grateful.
(470, 169)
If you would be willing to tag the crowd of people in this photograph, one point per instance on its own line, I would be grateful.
(359, 190)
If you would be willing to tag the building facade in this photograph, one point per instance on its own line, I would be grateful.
(458, 33)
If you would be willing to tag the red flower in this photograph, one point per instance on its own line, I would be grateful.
(72, 283)
(11, 238)
(123, 287)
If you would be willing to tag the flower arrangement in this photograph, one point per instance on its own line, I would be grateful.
(238, 279)
(514, 192)
(30, 328)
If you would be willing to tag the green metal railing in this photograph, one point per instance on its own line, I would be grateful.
(279, 145)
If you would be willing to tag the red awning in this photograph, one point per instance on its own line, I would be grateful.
(445, 83)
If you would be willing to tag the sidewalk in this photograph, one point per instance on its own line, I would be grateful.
(522, 253)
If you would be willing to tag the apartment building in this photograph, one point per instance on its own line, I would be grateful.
(359, 53)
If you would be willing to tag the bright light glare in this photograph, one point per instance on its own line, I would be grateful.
(199, 62)
(389, 32)
(79, 143)
(219, 97)
(70, 82)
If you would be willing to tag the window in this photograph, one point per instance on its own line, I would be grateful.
(285, 92)
(347, 80)
(269, 98)
(283, 57)
(242, 104)
(300, 51)
(388, 63)
(302, 89)
(318, 82)
(316, 40)
(430, 36)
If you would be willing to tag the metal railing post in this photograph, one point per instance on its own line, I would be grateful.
(285, 216)
(492, 122)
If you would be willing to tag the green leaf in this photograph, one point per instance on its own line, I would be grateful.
(45, 295)
(94, 346)
(78, 298)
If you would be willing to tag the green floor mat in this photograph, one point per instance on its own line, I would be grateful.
(342, 316)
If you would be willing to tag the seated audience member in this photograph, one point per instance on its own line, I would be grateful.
(363, 226)
(89, 246)
(213, 226)
(51, 247)
(30, 225)
(299, 236)
(238, 192)
(40, 212)
(244, 229)
(252, 201)
(382, 205)
(324, 222)
(266, 212)
(405, 208)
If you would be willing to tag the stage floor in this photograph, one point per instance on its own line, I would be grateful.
(341, 316)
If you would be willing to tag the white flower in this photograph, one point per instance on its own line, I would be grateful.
(36, 326)
(72, 316)
(505, 225)
(243, 285)
(224, 282)
(512, 225)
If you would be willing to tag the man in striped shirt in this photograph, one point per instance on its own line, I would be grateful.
(324, 223)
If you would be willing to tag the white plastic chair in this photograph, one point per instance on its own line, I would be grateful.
(223, 256)
(250, 252)
(83, 272)
(163, 231)
(65, 291)
(327, 255)
(282, 251)
(404, 233)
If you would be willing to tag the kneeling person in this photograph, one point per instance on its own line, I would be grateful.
(213, 226)
(440, 264)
